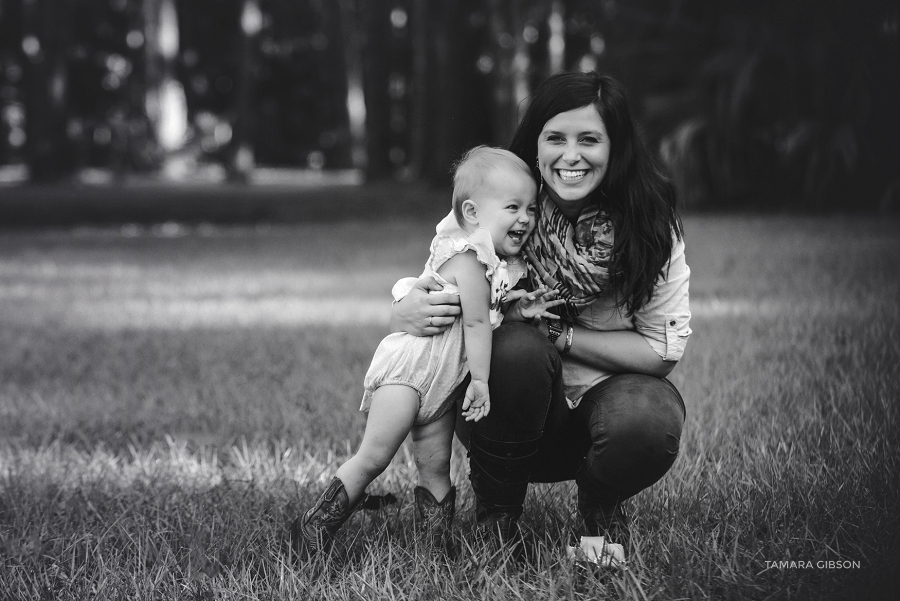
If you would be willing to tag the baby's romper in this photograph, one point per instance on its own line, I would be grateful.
(435, 365)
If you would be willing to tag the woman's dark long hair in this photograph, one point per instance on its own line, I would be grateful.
(637, 194)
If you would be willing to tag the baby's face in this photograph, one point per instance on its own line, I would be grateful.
(507, 209)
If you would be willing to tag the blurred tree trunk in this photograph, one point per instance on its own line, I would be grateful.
(556, 42)
(445, 90)
(164, 98)
(154, 72)
(419, 29)
(241, 155)
(376, 23)
(444, 84)
(345, 15)
(507, 21)
(46, 33)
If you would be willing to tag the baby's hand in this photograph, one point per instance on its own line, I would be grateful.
(532, 305)
(478, 401)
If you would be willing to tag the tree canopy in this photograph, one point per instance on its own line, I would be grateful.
(761, 104)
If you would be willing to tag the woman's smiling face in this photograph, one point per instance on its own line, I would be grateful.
(573, 155)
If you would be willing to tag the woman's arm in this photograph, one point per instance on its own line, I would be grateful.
(422, 314)
(621, 351)
(661, 329)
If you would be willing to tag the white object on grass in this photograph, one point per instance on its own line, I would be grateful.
(595, 549)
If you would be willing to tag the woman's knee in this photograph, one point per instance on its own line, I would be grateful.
(635, 424)
(635, 405)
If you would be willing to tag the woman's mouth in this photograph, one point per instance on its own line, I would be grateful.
(571, 175)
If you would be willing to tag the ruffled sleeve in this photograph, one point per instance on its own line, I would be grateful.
(480, 241)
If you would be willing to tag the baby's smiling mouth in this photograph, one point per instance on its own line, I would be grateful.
(571, 175)
(517, 235)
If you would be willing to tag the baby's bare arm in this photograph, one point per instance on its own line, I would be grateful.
(468, 274)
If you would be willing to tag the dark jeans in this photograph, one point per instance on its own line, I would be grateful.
(622, 437)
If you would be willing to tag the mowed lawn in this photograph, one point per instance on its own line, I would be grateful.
(172, 396)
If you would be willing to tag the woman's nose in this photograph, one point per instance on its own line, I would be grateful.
(571, 155)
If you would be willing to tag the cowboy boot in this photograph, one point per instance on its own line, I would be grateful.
(437, 518)
(313, 533)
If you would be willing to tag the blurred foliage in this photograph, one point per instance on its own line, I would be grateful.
(762, 105)
(297, 63)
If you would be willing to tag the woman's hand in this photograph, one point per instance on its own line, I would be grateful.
(422, 314)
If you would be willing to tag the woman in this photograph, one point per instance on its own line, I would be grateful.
(583, 397)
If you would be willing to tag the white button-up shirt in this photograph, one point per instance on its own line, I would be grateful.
(664, 322)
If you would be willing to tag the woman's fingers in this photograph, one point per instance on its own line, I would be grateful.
(440, 312)
(441, 322)
(446, 300)
(435, 312)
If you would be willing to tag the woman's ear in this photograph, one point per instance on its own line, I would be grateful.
(470, 211)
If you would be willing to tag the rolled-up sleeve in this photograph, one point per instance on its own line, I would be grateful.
(664, 322)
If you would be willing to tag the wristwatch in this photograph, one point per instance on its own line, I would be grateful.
(554, 329)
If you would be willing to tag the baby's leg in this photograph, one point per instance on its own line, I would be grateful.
(432, 445)
(391, 417)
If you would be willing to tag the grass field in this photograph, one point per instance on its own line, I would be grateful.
(171, 397)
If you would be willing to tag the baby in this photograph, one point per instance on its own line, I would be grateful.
(409, 384)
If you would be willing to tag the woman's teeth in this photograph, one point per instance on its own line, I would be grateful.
(571, 176)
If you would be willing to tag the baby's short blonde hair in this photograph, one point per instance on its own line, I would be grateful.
(473, 168)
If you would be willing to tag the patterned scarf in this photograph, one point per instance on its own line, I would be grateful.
(572, 260)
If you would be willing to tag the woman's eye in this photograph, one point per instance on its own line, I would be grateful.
(590, 140)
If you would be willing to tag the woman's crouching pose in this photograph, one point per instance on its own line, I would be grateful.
(582, 396)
